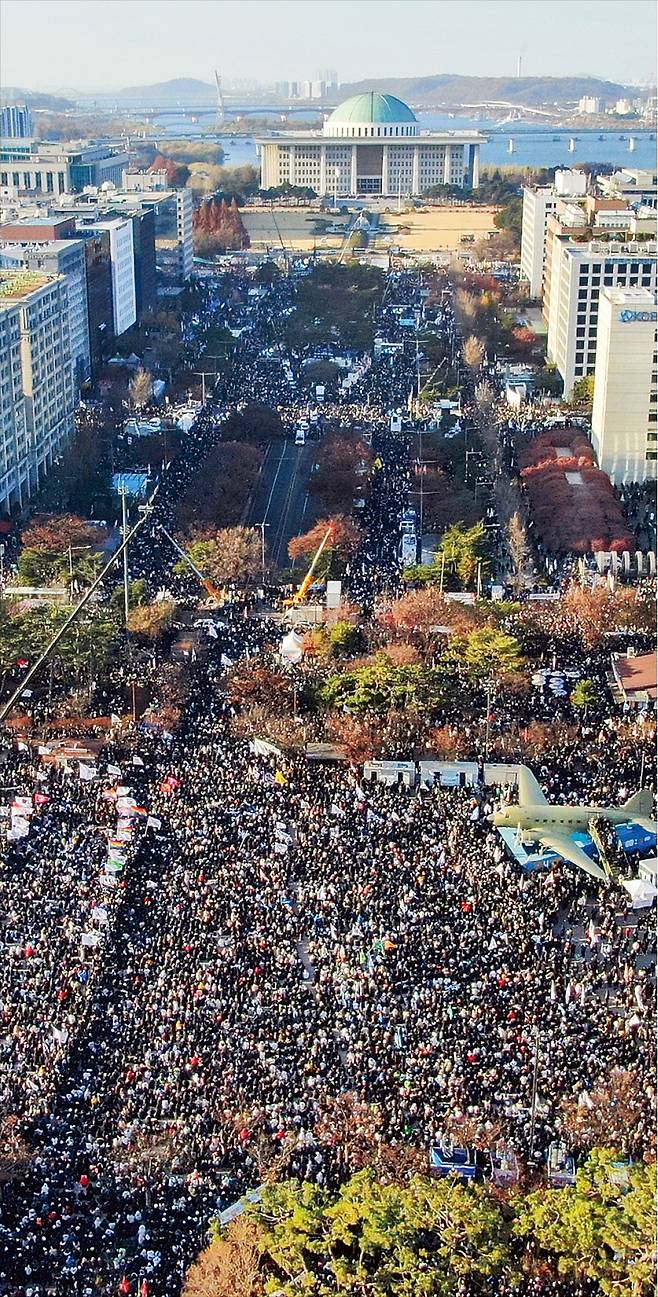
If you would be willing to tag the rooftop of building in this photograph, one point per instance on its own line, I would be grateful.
(17, 284)
(45, 247)
(630, 296)
(636, 676)
(608, 248)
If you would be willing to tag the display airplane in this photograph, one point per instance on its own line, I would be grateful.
(537, 819)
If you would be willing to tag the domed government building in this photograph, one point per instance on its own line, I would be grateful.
(371, 144)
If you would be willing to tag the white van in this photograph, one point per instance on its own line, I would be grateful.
(300, 437)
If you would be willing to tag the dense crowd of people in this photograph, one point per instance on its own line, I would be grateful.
(205, 940)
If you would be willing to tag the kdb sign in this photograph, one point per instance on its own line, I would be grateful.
(639, 317)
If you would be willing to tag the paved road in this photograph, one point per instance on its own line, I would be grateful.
(281, 500)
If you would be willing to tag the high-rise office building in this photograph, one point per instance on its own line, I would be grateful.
(36, 364)
(579, 272)
(625, 409)
(16, 122)
(122, 258)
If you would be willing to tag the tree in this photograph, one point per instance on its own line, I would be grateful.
(230, 1266)
(232, 554)
(420, 614)
(464, 549)
(485, 653)
(519, 548)
(55, 532)
(374, 1238)
(510, 217)
(583, 392)
(380, 686)
(177, 173)
(584, 694)
(37, 567)
(619, 1111)
(474, 352)
(344, 639)
(141, 388)
(345, 539)
(151, 620)
(602, 1230)
(218, 492)
(255, 684)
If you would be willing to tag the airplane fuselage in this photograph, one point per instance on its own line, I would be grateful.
(570, 819)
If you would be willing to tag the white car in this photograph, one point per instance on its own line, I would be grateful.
(300, 437)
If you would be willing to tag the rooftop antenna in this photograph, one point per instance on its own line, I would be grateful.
(220, 100)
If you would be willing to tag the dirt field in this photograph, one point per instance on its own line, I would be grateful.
(432, 231)
(436, 230)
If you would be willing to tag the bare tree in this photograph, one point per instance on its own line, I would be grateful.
(518, 545)
(473, 352)
(617, 1113)
(141, 388)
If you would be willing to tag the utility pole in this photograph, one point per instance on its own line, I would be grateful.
(203, 374)
(533, 1101)
(124, 532)
(488, 720)
(43, 657)
(422, 484)
(262, 526)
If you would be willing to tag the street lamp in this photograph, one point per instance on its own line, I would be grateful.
(262, 526)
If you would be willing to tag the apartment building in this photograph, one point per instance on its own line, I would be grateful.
(65, 257)
(579, 273)
(625, 410)
(36, 380)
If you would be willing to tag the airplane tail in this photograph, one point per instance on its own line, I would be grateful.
(641, 803)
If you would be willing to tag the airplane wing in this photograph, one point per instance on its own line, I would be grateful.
(568, 850)
(530, 794)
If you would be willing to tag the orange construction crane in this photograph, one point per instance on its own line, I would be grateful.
(208, 586)
(308, 579)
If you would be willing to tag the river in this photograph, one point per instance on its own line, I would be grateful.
(534, 146)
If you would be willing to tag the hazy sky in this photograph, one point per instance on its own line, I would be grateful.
(98, 44)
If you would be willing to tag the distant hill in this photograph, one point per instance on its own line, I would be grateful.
(180, 90)
(453, 91)
(55, 103)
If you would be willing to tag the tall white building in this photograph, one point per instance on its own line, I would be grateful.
(124, 300)
(578, 273)
(539, 203)
(36, 411)
(184, 232)
(625, 410)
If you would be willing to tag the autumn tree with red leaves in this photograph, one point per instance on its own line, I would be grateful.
(218, 226)
(345, 540)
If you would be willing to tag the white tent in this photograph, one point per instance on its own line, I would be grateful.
(291, 648)
(641, 892)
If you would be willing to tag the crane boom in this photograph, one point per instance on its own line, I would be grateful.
(308, 579)
(205, 582)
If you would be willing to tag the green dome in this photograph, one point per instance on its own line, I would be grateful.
(371, 109)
